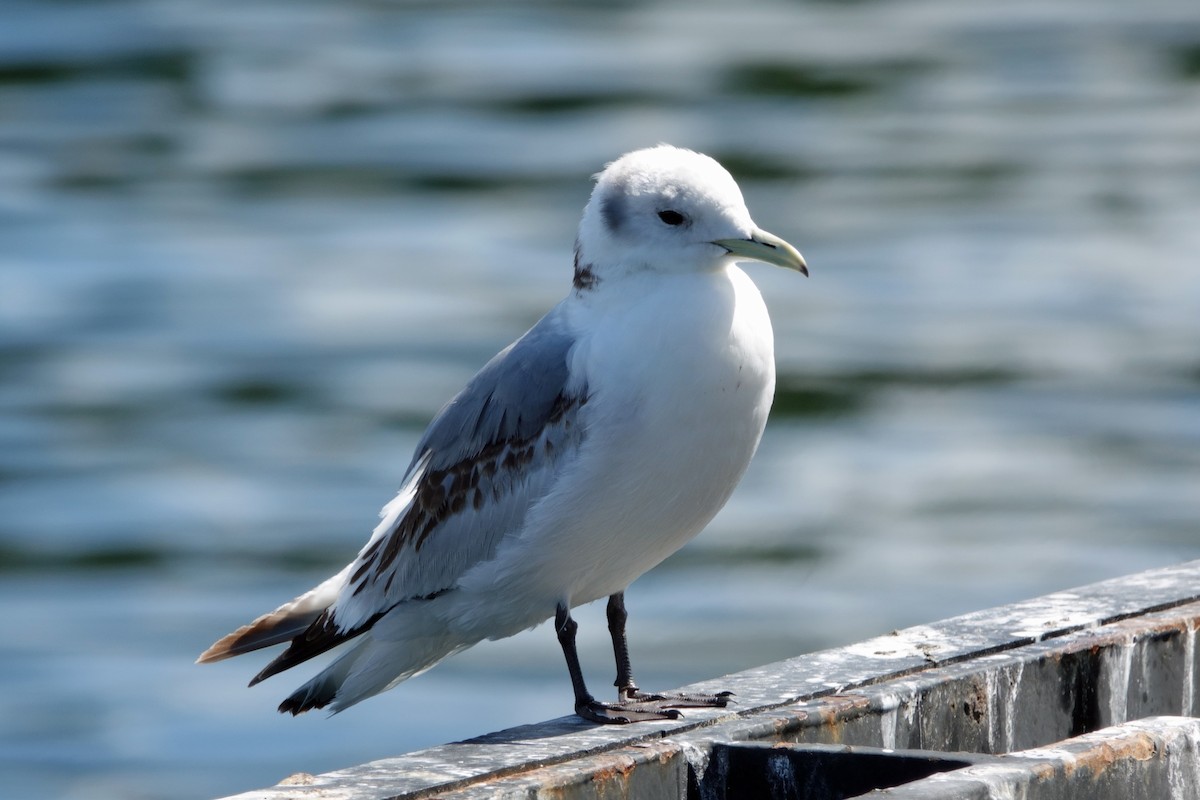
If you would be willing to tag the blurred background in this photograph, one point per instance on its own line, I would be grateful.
(247, 249)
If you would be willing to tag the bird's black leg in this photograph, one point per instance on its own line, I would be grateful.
(587, 706)
(629, 695)
(617, 615)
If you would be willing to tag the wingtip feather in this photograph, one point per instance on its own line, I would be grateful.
(278, 626)
(225, 647)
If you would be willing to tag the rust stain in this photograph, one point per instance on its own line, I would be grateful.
(1139, 629)
(617, 769)
(1137, 745)
(836, 710)
(605, 774)
(975, 706)
(1100, 756)
(786, 726)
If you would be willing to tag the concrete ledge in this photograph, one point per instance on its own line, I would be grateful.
(1155, 759)
(1003, 680)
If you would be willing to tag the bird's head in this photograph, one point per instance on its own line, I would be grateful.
(667, 209)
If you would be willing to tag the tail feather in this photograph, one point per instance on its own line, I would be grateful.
(323, 689)
(406, 646)
(283, 624)
(393, 645)
(319, 637)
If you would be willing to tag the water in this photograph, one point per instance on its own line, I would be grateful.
(248, 249)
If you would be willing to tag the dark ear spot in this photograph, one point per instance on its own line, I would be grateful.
(612, 210)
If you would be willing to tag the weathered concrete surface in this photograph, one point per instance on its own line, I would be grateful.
(1156, 759)
(993, 681)
(1150, 759)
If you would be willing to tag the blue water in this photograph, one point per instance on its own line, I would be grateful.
(248, 249)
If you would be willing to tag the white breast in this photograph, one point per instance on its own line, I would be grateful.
(680, 383)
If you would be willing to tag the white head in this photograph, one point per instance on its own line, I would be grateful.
(666, 209)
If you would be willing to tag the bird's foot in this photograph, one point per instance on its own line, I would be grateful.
(634, 705)
(671, 700)
(624, 712)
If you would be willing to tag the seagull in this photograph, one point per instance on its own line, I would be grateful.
(578, 458)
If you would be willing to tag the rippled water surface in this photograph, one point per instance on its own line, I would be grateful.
(248, 249)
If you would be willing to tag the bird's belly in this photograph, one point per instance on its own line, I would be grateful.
(668, 441)
(669, 487)
(672, 421)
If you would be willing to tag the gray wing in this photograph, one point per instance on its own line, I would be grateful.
(489, 454)
(487, 457)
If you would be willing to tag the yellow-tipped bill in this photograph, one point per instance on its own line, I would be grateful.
(768, 248)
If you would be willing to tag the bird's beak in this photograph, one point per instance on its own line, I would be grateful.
(766, 247)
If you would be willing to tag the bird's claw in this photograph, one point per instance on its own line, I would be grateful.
(634, 705)
(675, 699)
(624, 713)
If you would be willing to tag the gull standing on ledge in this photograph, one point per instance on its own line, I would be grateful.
(579, 457)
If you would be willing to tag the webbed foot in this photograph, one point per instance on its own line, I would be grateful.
(624, 712)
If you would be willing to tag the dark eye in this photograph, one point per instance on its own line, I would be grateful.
(672, 217)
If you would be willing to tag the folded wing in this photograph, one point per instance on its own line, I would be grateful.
(488, 456)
